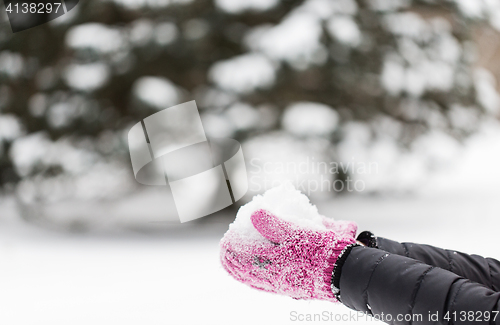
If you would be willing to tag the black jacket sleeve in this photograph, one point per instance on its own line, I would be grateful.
(473, 267)
(402, 290)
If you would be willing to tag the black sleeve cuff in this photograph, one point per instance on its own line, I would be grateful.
(337, 269)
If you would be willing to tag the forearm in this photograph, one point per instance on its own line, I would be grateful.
(473, 267)
(380, 283)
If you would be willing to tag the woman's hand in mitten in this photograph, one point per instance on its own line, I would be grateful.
(288, 259)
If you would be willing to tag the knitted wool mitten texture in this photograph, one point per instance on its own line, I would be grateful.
(288, 260)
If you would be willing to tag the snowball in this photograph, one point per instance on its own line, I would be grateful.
(283, 201)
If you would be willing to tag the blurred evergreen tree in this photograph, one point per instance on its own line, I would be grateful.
(81, 77)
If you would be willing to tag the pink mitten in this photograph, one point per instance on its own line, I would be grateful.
(288, 259)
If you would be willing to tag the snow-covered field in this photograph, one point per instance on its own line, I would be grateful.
(54, 278)
(174, 277)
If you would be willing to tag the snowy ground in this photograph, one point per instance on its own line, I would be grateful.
(54, 278)
(174, 277)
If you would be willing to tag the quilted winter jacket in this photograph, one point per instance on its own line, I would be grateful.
(406, 283)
